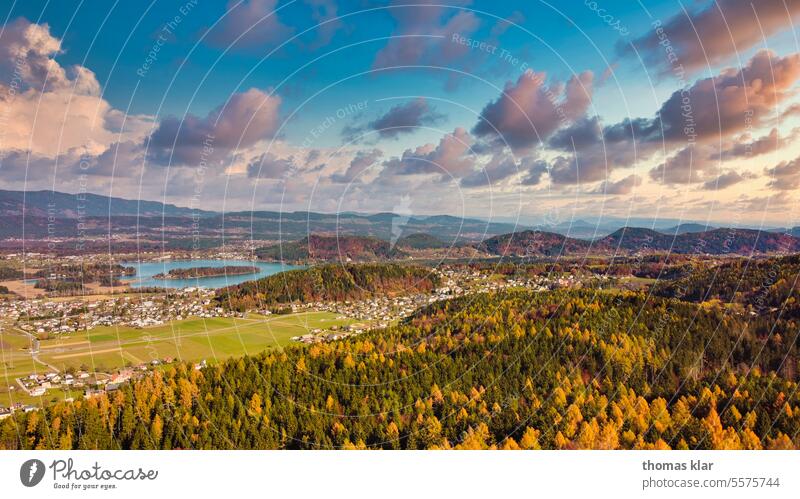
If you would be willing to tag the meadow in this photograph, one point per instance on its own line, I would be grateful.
(191, 340)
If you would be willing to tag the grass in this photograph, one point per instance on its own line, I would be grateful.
(109, 348)
(190, 340)
(8, 397)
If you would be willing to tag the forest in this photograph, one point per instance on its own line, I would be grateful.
(563, 369)
(331, 282)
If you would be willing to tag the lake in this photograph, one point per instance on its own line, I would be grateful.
(146, 270)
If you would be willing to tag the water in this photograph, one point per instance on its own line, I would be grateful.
(146, 270)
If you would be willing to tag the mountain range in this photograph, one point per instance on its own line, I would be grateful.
(52, 219)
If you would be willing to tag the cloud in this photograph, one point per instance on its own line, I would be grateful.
(452, 157)
(592, 151)
(715, 32)
(710, 110)
(535, 168)
(27, 53)
(50, 111)
(498, 168)
(247, 24)
(121, 159)
(359, 163)
(241, 122)
(400, 119)
(686, 166)
(746, 148)
(784, 176)
(423, 32)
(731, 101)
(620, 187)
(780, 202)
(530, 110)
(726, 180)
(268, 166)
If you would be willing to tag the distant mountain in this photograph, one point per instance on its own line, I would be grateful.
(632, 239)
(636, 239)
(52, 221)
(713, 242)
(686, 228)
(61, 205)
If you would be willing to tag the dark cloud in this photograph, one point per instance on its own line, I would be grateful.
(714, 32)
(746, 148)
(726, 180)
(268, 166)
(404, 118)
(530, 110)
(620, 187)
(710, 110)
(687, 166)
(359, 163)
(535, 168)
(16, 166)
(498, 168)
(241, 122)
(400, 119)
(595, 150)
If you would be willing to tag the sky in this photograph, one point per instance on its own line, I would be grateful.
(516, 110)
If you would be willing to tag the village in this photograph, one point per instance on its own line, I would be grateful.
(380, 312)
(47, 316)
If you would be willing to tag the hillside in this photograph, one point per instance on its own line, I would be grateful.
(329, 249)
(69, 206)
(686, 228)
(633, 239)
(533, 243)
(551, 370)
(47, 215)
(328, 283)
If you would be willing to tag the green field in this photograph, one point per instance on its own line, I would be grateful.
(191, 340)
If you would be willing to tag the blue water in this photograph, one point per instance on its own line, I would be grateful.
(146, 270)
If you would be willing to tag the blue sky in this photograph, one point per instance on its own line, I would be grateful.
(219, 65)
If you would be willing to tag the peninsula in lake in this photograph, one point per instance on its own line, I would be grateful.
(199, 272)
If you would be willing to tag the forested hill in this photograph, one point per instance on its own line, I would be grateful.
(554, 370)
(61, 205)
(640, 240)
(331, 282)
(329, 248)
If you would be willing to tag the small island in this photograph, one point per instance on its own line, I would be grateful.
(199, 272)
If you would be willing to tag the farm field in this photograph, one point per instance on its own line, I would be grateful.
(109, 348)
(195, 339)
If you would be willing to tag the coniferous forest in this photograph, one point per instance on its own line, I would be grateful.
(654, 368)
